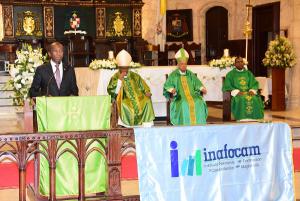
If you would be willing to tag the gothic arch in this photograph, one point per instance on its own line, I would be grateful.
(201, 19)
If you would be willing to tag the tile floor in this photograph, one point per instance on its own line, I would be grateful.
(10, 124)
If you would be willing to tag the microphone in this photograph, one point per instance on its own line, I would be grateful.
(47, 91)
(47, 94)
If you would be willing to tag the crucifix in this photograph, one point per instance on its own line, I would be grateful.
(247, 27)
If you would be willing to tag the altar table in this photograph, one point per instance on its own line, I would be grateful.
(95, 82)
(155, 77)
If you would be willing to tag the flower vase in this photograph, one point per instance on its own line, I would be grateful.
(278, 89)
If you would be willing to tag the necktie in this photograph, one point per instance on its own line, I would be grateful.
(57, 75)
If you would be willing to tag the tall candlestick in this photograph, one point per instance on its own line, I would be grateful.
(247, 28)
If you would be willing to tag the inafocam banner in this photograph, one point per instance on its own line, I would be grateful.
(242, 162)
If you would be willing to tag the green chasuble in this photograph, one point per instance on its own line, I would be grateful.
(187, 106)
(244, 106)
(134, 107)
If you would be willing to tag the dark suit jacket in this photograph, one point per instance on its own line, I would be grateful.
(44, 83)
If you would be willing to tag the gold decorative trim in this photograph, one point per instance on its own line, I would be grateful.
(118, 24)
(189, 99)
(137, 100)
(102, 3)
(49, 22)
(100, 23)
(28, 24)
(137, 22)
(8, 21)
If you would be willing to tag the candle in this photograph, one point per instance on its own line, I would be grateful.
(226, 53)
(110, 54)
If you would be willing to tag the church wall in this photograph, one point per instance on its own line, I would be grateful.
(1, 24)
(236, 17)
(289, 20)
(149, 13)
(293, 74)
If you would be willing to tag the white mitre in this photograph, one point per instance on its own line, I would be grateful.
(123, 59)
(182, 55)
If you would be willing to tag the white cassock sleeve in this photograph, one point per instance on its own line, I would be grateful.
(119, 84)
(170, 90)
(235, 92)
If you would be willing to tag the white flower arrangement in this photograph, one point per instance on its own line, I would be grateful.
(225, 62)
(22, 72)
(280, 54)
(109, 64)
(103, 64)
(135, 65)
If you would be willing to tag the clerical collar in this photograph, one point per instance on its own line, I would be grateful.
(240, 70)
(126, 76)
(182, 73)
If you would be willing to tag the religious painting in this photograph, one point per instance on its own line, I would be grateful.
(73, 24)
(74, 20)
(179, 25)
(28, 22)
(118, 22)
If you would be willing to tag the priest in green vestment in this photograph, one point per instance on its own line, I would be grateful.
(187, 105)
(246, 104)
(131, 93)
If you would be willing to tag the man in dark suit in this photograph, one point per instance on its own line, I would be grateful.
(54, 78)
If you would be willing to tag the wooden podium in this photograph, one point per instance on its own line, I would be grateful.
(28, 145)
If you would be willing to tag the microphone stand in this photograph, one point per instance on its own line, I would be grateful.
(47, 91)
(47, 95)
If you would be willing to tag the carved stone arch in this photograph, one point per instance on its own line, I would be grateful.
(201, 12)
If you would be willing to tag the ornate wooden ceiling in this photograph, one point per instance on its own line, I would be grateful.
(102, 3)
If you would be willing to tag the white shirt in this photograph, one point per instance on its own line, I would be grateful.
(119, 84)
(54, 68)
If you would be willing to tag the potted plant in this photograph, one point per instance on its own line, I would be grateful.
(22, 72)
(279, 56)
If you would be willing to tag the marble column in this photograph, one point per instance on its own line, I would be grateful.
(1, 23)
(149, 22)
(294, 73)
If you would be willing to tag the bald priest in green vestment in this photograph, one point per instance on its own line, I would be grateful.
(187, 105)
(131, 93)
(245, 103)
